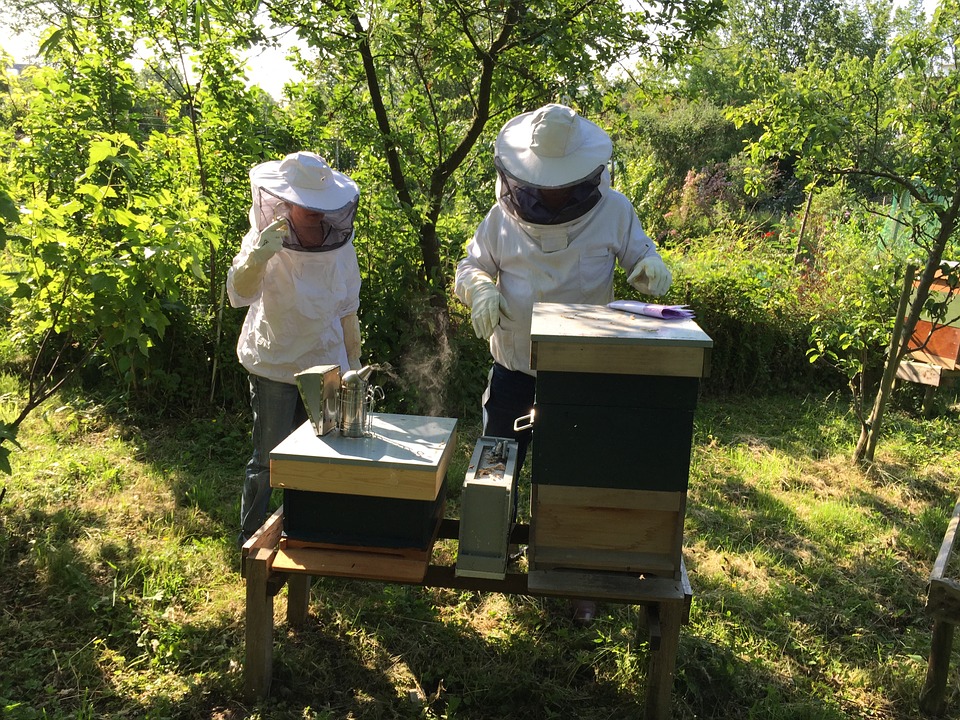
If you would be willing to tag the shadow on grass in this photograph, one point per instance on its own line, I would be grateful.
(823, 598)
(368, 643)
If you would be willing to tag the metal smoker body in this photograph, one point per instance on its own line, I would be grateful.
(342, 402)
(357, 398)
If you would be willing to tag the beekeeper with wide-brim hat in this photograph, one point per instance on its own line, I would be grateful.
(552, 147)
(555, 234)
(297, 274)
(304, 185)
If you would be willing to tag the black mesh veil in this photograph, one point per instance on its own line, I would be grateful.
(329, 230)
(527, 201)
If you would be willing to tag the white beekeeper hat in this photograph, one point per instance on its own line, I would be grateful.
(304, 178)
(552, 147)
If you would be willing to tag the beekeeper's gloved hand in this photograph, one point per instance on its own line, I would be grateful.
(650, 276)
(270, 242)
(248, 276)
(351, 339)
(481, 294)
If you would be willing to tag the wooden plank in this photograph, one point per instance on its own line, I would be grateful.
(654, 631)
(601, 497)
(621, 360)
(946, 546)
(258, 631)
(352, 564)
(599, 585)
(298, 599)
(663, 662)
(544, 557)
(392, 482)
(679, 567)
(267, 536)
(445, 576)
(592, 338)
(606, 528)
(943, 600)
(937, 344)
(687, 591)
(416, 554)
(598, 528)
(933, 695)
(921, 373)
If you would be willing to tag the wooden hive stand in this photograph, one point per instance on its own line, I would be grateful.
(943, 605)
(268, 567)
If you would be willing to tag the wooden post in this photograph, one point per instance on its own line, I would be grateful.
(298, 599)
(933, 694)
(663, 661)
(258, 664)
(927, 406)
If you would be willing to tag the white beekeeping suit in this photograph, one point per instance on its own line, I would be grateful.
(555, 233)
(304, 295)
(298, 275)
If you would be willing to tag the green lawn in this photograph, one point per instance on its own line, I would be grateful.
(121, 596)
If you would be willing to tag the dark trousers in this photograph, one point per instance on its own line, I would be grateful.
(509, 395)
(277, 411)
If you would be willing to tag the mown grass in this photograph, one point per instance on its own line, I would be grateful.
(121, 597)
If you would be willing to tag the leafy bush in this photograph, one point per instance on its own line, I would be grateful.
(744, 288)
(855, 276)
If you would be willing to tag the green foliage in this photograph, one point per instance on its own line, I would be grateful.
(892, 120)
(792, 31)
(746, 293)
(98, 262)
(857, 282)
(135, 195)
(416, 85)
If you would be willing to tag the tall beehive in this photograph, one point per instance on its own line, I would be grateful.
(613, 428)
(937, 341)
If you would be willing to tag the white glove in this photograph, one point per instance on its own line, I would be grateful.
(650, 276)
(351, 339)
(270, 242)
(248, 275)
(484, 299)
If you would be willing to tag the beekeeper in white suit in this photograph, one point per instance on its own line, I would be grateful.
(297, 272)
(554, 235)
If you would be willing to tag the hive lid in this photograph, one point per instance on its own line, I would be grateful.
(563, 322)
(595, 339)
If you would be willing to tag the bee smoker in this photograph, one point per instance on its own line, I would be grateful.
(342, 402)
(357, 398)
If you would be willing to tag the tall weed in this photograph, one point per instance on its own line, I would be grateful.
(745, 290)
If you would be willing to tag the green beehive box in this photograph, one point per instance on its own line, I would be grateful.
(612, 433)
(384, 490)
(615, 397)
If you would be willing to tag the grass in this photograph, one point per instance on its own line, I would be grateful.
(121, 597)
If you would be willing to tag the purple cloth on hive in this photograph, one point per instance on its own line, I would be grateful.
(665, 312)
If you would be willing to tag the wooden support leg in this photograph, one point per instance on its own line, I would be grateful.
(258, 663)
(933, 694)
(663, 661)
(298, 599)
(928, 394)
(654, 632)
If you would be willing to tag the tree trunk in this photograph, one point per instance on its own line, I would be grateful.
(870, 428)
(803, 227)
